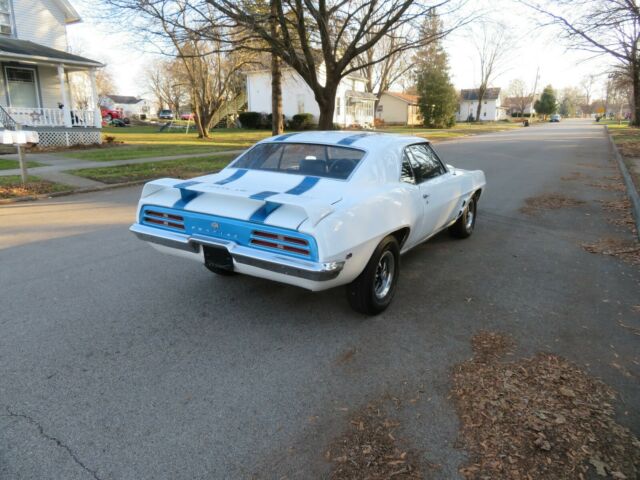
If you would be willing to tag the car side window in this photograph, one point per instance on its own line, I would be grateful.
(424, 162)
(406, 174)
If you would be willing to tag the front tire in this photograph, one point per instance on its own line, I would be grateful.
(463, 228)
(372, 292)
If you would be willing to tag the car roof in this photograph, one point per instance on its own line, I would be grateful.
(365, 140)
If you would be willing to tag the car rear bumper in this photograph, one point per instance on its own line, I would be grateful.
(272, 262)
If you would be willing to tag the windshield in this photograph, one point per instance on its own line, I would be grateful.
(303, 159)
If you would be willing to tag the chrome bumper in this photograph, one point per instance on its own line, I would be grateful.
(247, 256)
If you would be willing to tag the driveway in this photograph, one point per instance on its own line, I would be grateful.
(117, 362)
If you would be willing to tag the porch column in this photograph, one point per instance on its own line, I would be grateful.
(66, 109)
(97, 118)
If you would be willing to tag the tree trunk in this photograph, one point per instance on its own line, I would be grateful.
(202, 119)
(481, 92)
(327, 104)
(277, 123)
(635, 72)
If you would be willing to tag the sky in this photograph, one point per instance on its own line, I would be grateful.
(534, 50)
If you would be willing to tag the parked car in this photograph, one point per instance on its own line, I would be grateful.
(165, 115)
(186, 116)
(555, 118)
(316, 210)
(108, 114)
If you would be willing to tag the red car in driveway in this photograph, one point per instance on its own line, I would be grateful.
(186, 116)
(108, 114)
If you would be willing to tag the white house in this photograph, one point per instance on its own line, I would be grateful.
(492, 110)
(354, 106)
(130, 107)
(395, 108)
(34, 88)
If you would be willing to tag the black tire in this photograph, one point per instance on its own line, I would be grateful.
(368, 293)
(463, 228)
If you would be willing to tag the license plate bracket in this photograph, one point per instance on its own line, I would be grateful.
(217, 257)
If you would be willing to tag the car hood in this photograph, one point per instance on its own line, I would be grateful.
(270, 198)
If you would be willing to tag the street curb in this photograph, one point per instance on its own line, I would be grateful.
(44, 196)
(631, 187)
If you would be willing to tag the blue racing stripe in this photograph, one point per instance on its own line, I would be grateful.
(261, 214)
(264, 211)
(237, 174)
(186, 195)
(263, 195)
(283, 137)
(182, 185)
(304, 186)
(353, 138)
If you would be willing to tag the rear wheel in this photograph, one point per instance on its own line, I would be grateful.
(372, 292)
(464, 226)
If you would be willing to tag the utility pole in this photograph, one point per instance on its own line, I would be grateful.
(535, 87)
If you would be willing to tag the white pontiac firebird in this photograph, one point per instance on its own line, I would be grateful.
(315, 210)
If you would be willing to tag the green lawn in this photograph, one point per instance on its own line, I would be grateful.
(627, 139)
(6, 164)
(145, 142)
(184, 168)
(11, 187)
(457, 131)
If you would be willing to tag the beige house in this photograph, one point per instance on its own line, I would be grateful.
(395, 108)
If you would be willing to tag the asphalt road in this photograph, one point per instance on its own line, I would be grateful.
(117, 362)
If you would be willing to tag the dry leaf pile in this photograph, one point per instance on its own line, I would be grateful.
(368, 450)
(612, 187)
(575, 176)
(31, 188)
(629, 149)
(622, 210)
(539, 417)
(549, 201)
(627, 251)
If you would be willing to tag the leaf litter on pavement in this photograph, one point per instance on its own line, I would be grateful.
(548, 201)
(537, 417)
(369, 449)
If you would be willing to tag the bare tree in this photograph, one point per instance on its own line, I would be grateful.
(191, 33)
(167, 82)
(587, 84)
(493, 45)
(602, 27)
(520, 96)
(322, 40)
(381, 76)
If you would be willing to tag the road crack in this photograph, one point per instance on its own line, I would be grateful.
(51, 438)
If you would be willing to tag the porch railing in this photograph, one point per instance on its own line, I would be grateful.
(51, 117)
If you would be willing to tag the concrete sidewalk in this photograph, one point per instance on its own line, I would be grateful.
(58, 163)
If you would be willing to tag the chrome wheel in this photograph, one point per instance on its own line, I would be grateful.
(471, 213)
(385, 272)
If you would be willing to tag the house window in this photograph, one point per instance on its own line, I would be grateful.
(485, 114)
(22, 87)
(338, 106)
(300, 99)
(5, 17)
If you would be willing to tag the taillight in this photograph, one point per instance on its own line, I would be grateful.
(280, 242)
(164, 219)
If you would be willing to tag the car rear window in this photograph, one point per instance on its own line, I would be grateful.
(302, 158)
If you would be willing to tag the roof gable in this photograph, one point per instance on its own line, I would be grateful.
(405, 97)
(124, 99)
(492, 93)
(71, 15)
